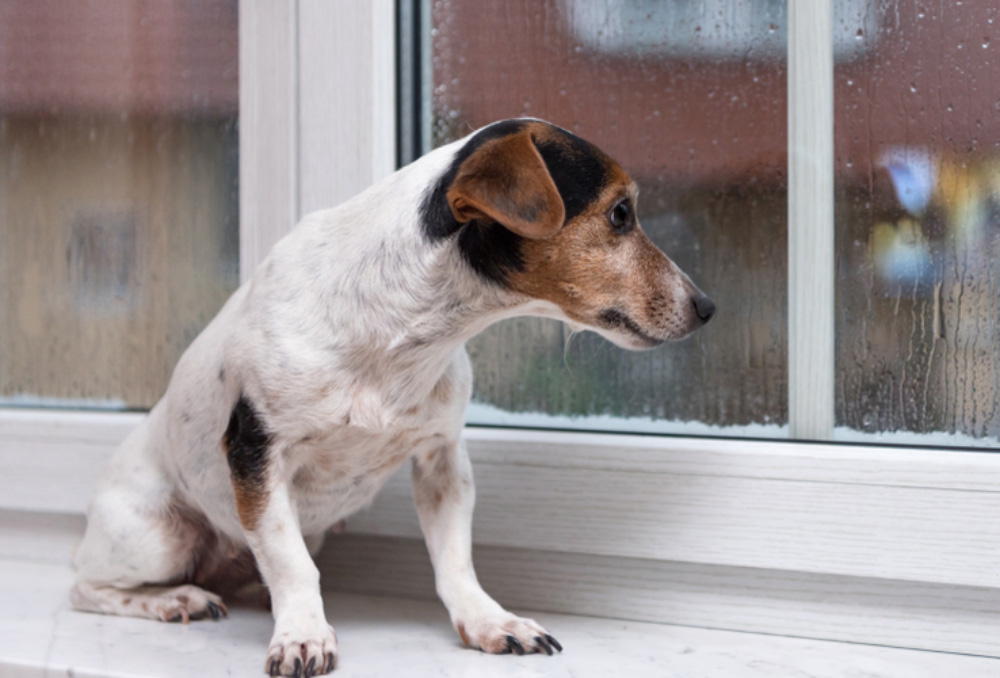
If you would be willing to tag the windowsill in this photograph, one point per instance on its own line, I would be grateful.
(41, 636)
(888, 547)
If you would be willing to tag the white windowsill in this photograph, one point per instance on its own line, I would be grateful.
(41, 636)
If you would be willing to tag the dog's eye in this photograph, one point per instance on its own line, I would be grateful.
(621, 216)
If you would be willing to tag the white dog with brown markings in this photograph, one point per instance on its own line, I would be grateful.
(343, 357)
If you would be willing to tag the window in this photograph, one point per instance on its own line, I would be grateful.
(118, 194)
(690, 97)
(761, 535)
(918, 226)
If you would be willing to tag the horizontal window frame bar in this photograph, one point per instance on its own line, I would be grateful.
(836, 496)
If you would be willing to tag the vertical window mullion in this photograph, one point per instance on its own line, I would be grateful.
(269, 144)
(810, 220)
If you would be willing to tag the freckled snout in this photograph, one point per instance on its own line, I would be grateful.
(661, 303)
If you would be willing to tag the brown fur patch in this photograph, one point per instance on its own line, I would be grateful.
(461, 634)
(506, 180)
(250, 503)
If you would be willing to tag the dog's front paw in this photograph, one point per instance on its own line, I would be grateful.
(302, 654)
(507, 634)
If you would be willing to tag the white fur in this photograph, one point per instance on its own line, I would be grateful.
(338, 340)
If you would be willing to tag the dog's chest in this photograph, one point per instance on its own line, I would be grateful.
(338, 473)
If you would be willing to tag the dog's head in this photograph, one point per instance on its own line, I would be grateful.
(546, 214)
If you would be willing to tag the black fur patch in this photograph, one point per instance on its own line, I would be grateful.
(491, 250)
(247, 443)
(578, 168)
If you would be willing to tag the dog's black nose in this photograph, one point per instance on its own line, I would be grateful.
(704, 307)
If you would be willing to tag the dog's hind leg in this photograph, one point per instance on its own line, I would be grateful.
(166, 603)
(139, 545)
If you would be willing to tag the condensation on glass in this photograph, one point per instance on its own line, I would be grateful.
(690, 98)
(118, 193)
(917, 134)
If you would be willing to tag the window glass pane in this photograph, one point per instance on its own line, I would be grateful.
(918, 223)
(690, 98)
(118, 193)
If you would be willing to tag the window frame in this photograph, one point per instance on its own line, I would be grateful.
(787, 537)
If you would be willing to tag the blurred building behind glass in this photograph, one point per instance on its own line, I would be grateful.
(118, 193)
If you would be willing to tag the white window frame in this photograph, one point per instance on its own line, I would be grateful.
(887, 545)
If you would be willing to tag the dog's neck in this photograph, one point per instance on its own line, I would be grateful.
(390, 307)
(397, 309)
(414, 337)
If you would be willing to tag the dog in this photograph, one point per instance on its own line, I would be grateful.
(342, 358)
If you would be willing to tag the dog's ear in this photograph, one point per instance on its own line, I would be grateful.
(506, 181)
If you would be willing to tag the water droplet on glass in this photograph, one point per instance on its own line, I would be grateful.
(860, 35)
(913, 87)
(986, 42)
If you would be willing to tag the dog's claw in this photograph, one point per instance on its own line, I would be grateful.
(302, 659)
(553, 642)
(541, 642)
(514, 645)
(214, 611)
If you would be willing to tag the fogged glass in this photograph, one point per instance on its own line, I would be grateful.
(918, 223)
(118, 193)
(690, 98)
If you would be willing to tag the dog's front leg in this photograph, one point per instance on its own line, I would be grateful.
(444, 495)
(303, 643)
